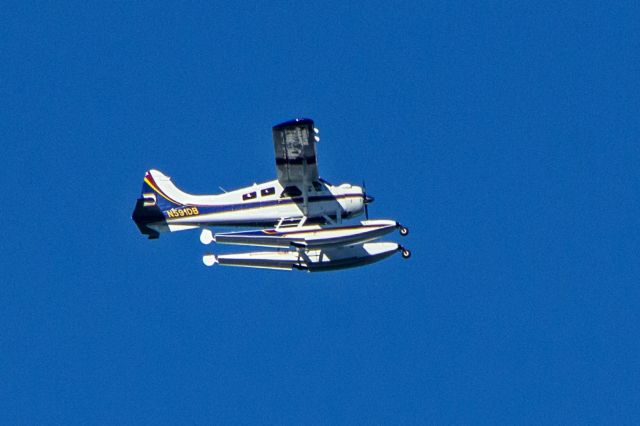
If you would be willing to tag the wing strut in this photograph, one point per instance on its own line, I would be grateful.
(305, 188)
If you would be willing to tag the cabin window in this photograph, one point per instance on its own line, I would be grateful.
(291, 191)
(267, 191)
(249, 196)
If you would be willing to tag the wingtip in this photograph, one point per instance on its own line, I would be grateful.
(294, 122)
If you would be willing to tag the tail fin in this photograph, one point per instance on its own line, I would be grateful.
(153, 200)
(158, 190)
(160, 200)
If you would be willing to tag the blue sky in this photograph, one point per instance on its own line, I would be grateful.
(504, 135)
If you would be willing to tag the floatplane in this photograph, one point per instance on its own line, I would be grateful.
(301, 217)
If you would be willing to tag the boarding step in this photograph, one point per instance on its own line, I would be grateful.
(291, 222)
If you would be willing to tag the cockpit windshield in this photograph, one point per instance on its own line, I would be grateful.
(291, 191)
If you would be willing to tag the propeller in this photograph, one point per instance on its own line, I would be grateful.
(367, 199)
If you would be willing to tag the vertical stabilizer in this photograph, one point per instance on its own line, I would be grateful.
(153, 200)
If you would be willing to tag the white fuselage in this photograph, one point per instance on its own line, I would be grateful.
(260, 204)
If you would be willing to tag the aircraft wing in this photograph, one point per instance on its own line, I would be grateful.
(295, 147)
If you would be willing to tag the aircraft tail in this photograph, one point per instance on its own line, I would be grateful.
(158, 194)
(157, 189)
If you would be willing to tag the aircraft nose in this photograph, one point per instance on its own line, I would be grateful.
(368, 199)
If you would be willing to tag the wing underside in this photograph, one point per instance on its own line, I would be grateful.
(295, 148)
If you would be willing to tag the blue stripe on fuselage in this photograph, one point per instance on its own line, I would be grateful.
(205, 209)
